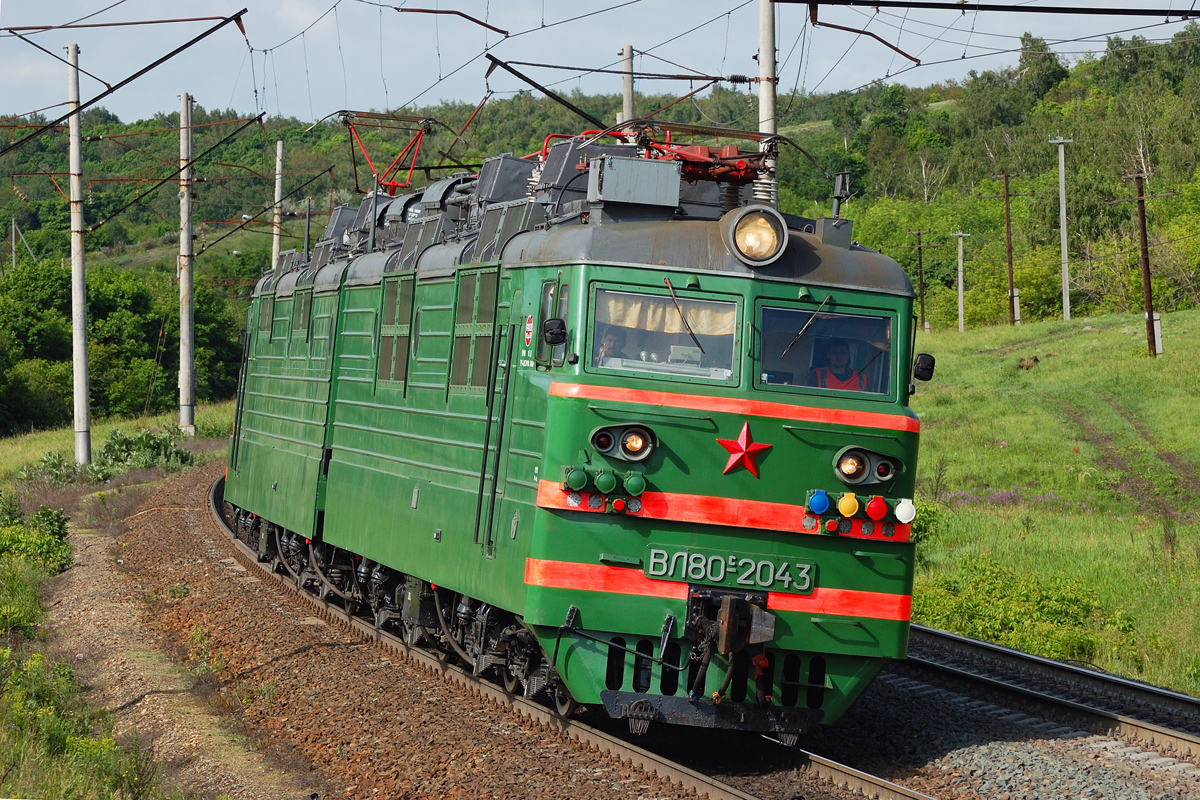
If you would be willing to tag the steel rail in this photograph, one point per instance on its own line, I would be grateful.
(650, 763)
(1152, 698)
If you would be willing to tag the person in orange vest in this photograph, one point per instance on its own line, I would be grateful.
(838, 375)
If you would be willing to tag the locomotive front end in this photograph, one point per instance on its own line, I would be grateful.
(724, 536)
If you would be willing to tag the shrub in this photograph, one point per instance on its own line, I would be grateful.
(40, 548)
(928, 520)
(20, 603)
(53, 468)
(50, 521)
(142, 450)
(1052, 617)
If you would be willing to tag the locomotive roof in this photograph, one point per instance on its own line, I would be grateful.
(696, 246)
(467, 221)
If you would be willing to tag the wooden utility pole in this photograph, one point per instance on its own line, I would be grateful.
(920, 248)
(79, 332)
(187, 309)
(959, 235)
(1153, 341)
(1012, 294)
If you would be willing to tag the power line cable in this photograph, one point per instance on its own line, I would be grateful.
(1009, 51)
(81, 19)
(141, 197)
(341, 55)
(87, 104)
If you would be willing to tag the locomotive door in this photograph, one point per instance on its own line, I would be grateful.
(494, 465)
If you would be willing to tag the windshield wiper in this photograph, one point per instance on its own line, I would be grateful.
(811, 320)
(686, 326)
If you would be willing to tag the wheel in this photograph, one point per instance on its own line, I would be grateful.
(564, 704)
(509, 680)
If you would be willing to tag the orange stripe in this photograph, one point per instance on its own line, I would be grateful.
(626, 580)
(599, 578)
(705, 509)
(737, 405)
(845, 602)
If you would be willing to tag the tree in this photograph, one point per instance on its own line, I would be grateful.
(1039, 67)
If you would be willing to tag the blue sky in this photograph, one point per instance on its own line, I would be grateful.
(356, 54)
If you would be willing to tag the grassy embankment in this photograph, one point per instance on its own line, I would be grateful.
(1070, 490)
(52, 744)
(17, 452)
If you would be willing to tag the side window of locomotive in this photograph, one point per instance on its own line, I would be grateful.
(395, 330)
(649, 333)
(558, 355)
(541, 352)
(474, 319)
(266, 315)
(826, 351)
(301, 308)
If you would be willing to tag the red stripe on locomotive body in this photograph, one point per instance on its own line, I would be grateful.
(626, 580)
(599, 578)
(708, 510)
(736, 405)
(845, 602)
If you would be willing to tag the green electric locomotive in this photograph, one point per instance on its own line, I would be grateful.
(600, 423)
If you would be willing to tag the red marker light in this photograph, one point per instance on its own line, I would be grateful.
(831, 526)
(877, 509)
(618, 504)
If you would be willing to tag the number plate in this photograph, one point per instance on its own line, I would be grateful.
(747, 570)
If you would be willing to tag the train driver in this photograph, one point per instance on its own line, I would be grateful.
(611, 346)
(838, 373)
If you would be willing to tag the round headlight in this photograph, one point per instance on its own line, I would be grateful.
(635, 444)
(757, 235)
(852, 467)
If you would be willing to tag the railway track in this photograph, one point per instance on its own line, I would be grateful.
(1088, 699)
(830, 771)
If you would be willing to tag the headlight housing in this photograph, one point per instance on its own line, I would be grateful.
(626, 442)
(857, 466)
(756, 235)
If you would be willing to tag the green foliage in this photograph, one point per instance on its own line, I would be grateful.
(120, 453)
(928, 520)
(20, 595)
(50, 741)
(144, 449)
(132, 357)
(50, 522)
(52, 468)
(1050, 616)
(42, 549)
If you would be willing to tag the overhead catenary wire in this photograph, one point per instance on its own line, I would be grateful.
(1087, 37)
(264, 210)
(141, 197)
(57, 57)
(236, 18)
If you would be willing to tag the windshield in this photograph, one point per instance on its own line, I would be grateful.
(826, 350)
(645, 333)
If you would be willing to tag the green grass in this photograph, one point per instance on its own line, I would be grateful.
(18, 451)
(1083, 468)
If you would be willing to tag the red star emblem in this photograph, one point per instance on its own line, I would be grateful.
(742, 451)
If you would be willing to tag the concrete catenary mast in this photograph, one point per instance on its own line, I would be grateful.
(187, 311)
(79, 344)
